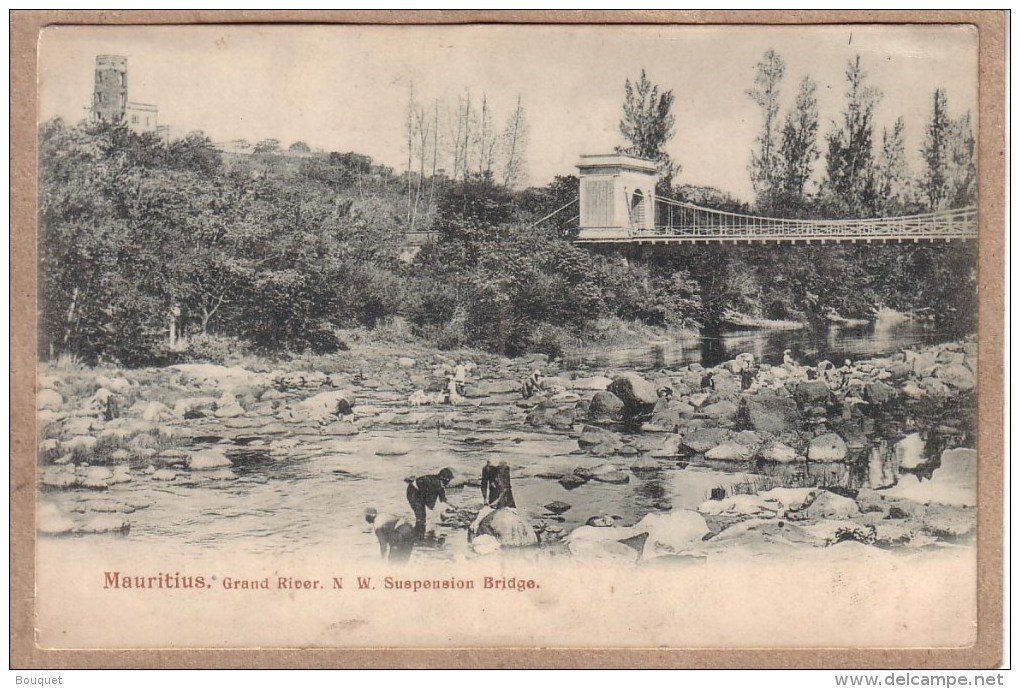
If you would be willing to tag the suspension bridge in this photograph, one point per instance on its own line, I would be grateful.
(618, 205)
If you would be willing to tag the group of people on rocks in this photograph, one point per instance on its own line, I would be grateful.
(397, 537)
(452, 391)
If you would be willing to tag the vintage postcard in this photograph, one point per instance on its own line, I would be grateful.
(579, 336)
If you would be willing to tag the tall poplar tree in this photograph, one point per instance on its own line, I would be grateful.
(799, 150)
(765, 159)
(849, 164)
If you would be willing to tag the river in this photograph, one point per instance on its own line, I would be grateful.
(809, 345)
(313, 492)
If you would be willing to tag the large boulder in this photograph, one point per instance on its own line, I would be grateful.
(593, 436)
(957, 376)
(509, 528)
(780, 453)
(192, 404)
(127, 427)
(731, 451)
(326, 404)
(540, 416)
(811, 391)
(878, 393)
(769, 414)
(49, 399)
(934, 387)
(669, 447)
(739, 506)
(222, 378)
(593, 383)
(910, 451)
(784, 499)
(698, 399)
(671, 533)
(827, 505)
(79, 425)
(827, 447)
(922, 363)
(898, 369)
(724, 410)
(59, 477)
(704, 439)
(662, 421)
(116, 384)
(156, 411)
(499, 387)
(605, 406)
(637, 394)
(601, 551)
(95, 478)
(80, 444)
(724, 384)
(208, 459)
(954, 483)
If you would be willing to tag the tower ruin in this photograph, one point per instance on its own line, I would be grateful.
(109, 96)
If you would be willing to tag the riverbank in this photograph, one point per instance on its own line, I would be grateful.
(789, 458)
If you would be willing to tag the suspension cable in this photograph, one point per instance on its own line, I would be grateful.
(561, 208)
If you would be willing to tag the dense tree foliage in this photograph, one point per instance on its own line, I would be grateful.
(281, 252)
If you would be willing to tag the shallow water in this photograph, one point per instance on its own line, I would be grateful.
(313, 494)
(809, 345)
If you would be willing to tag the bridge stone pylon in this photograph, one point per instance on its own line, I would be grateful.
(617, 195)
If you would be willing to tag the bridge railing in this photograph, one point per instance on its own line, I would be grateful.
(686, 220)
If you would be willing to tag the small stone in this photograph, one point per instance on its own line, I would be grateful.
(572, 481)
(613, 477)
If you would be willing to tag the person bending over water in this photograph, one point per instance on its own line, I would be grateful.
(496, 489)
(426, 491)
(395, 535)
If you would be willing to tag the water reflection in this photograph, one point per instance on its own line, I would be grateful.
(888, 334)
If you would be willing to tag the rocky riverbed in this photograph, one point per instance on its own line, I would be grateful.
(607, 465)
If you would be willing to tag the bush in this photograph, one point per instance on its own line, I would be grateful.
(216, 349)
(550, 339)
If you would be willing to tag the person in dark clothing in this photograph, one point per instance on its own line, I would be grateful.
(496, 489)
(747, 376)
(425, 491)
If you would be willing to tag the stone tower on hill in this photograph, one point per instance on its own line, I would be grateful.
(110, 97)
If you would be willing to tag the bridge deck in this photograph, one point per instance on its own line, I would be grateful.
(701, 225)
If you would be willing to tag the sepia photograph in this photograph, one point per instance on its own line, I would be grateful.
(574, 336)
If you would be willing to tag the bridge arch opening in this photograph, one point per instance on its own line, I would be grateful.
(637, 209)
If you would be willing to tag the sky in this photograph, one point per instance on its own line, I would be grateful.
(346, 88)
